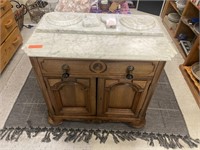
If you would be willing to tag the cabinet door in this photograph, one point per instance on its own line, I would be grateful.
(73, 96)
(121, 97)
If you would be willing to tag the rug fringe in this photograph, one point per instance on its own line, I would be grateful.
(77, 135)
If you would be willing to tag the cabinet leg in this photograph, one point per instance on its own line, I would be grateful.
(54, 122)
(138, 124)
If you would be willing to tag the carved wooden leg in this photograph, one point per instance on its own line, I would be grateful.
(138, 124)
(54, 122)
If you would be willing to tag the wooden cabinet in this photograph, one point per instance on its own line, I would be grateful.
(109, 90)
(11, 38)
(184, 26)
(5, 6)
(185, 68)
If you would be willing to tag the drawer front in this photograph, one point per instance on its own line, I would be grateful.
(4, 6)
(7, 24)
(9, 47)
(140, 68)
(97, 68)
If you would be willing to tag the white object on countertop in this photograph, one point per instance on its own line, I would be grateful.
(111, 23)
(105, 17)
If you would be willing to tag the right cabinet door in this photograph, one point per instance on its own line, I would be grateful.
(120, 97)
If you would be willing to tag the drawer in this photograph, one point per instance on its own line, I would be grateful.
(51, 66)
(7, 24)
(4, 6)
(140, 68)
(9, 47)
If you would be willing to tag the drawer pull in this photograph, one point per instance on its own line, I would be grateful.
(2, 3)
(16, 40)
(9, 23)
(65, 75)
(130, 72)
(65, 69)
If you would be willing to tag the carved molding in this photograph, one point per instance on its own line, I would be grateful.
(98, 66)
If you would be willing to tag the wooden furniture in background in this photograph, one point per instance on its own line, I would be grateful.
(118, 91)
(11, 38)
(192, 58)
(190, 11)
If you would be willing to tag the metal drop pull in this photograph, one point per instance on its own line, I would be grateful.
(65, 75)
(65, 69)
(130, 72)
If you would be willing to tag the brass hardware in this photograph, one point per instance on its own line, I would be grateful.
(130, 72)
(65, 69)
(98, 66)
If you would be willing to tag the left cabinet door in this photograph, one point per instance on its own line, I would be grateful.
(74, 96)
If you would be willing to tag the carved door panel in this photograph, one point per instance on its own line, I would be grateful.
(121, 97)
(73, 96)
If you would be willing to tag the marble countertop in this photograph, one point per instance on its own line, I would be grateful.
(85, 36)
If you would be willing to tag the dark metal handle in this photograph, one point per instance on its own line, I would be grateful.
(65, 75)
(65, 69)
(129, 76)
(129, 72)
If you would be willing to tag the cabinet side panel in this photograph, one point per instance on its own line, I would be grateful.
(41, 83)
(152, 87)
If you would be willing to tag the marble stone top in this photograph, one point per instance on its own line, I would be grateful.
(88, 23)
(85, 36)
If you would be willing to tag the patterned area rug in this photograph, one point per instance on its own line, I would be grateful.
(164, 121)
